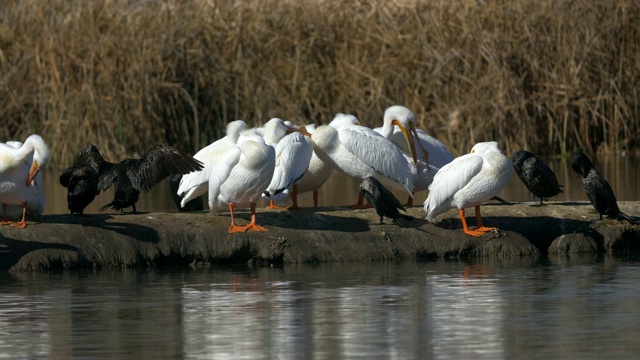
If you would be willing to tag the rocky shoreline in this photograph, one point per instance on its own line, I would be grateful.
(327, 234)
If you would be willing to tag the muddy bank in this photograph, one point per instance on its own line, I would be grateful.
(330, 234)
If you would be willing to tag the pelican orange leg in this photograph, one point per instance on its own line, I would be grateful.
(23, 223)
(234, 228)
(466, 230)
(294, 198)
(481, 226)
(315, 198)
(272, 205)
(252, 226)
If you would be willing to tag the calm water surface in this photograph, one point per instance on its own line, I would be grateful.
(579, 307)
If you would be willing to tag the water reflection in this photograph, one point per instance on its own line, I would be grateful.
(470, 313)
(621, 172)
(543, 308)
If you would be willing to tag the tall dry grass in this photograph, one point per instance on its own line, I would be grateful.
(551, 76)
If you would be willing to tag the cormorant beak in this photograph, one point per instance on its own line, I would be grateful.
(33, 171)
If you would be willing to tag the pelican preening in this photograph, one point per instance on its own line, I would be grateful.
(536, 175)
(428, 154)
(20, 177)
(192, 205)
(361, 152)
(196, 183)
(317, 174)
(293, 153)
(130, 175)
(240, 175)
(468, 181)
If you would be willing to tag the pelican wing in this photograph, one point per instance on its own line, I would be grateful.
(376, 151)
(209, 156)
(293, 154)
(452, 178)
(221, 172)
(8, 157)
(160, 162)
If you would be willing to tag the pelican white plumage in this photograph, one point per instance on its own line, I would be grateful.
(195, 184)
(361, 152)
(468, 181)
(37, 201)
(240, 175)
(317, 174)
(399, 126)
(20, 165)
(293, 153)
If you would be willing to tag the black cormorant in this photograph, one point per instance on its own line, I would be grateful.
(385, 203)
(130, 175)
(81, 179)
(536, 175)
(597, 188)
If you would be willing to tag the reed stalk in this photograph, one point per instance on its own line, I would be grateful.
(550, 76)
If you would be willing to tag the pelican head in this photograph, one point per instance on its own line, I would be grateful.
(341, 120)
(234, 128)
(276, 128)
(485, 147)
(40, 155)
(405, 120)
(295, 128)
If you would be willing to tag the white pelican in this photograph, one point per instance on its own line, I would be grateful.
(20, 165)
(468, 181)
(399, 126)
(360, 152)
(317, 174)
(36, 205)
(196, 183)
(240, 175)
(293, 153)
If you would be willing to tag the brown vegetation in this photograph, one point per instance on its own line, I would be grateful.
(551, 76)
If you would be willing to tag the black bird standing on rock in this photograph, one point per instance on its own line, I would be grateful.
(193, 205)
(130, 175)
(385, 203)
(597, 188)
(81, 179)
(536, 175)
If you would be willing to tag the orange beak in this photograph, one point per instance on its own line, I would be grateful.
(409, 139)
(302, 130)
(425, 153)
(33, 171)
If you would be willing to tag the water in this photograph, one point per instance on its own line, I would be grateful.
(622, 172)
(580, 307)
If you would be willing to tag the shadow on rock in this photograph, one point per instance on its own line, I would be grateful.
(12, 250)
(134, 229)
(539, 230)
(308, 220)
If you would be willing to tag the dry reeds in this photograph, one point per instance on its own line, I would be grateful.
(550, 76)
